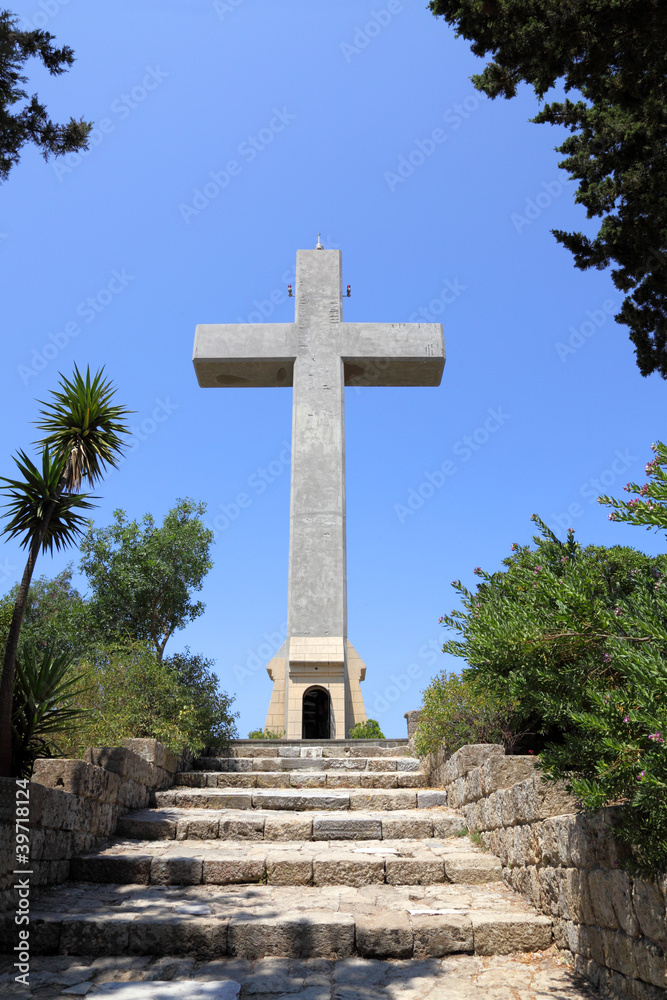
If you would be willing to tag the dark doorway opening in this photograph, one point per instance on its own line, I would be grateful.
(316, 724)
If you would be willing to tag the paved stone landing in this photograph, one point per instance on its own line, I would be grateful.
(457, 977)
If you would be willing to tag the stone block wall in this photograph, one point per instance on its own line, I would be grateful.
(75, 805)
(612, 927)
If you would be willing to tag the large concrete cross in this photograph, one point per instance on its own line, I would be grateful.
(318, 355)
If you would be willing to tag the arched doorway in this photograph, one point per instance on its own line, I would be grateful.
(316, 716)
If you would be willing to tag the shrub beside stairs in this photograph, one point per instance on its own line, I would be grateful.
(299, 850)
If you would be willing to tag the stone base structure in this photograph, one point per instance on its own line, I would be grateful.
(323, 677)
(611, 927)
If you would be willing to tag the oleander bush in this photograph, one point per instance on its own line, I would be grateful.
(575, 640)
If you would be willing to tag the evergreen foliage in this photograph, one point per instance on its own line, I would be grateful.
(611, 56)
(31, 123)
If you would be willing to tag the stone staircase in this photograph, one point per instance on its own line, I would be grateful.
(294, 850)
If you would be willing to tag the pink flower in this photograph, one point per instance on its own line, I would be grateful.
(611, 517)
(626, 718)
(607, 658)
(514, 546)
(618, 611)
(657, 737)
(477, 570)
(641, 775)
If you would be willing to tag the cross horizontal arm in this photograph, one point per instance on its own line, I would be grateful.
(393, 353)
(244, 355)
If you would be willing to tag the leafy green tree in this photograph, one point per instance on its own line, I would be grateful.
(56, 615)
(266, 734)
(31, 122)
(611, 55)
(458, 710)
(131, 693)
(212, 706)
(577, 637)
(82, 435)
(142, 576)
(368, 730)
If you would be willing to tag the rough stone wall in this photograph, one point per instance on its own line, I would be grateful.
(613, 926)
(75, 806)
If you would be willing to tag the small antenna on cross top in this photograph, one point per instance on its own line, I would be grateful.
(319, 244)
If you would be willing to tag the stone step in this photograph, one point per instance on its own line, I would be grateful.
(244, 765)
(303, 800)
(314, 748)
(203, 922)
(295, 778)
(229, 824)
(287, 863)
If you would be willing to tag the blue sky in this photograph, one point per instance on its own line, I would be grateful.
(327, 113)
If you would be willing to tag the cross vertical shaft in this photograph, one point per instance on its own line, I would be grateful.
(317, 572)
(317, 672)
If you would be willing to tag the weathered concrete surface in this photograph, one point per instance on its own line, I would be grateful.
(318, 355)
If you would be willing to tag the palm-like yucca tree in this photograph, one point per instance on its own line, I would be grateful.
(45, 696)
(83, 435)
